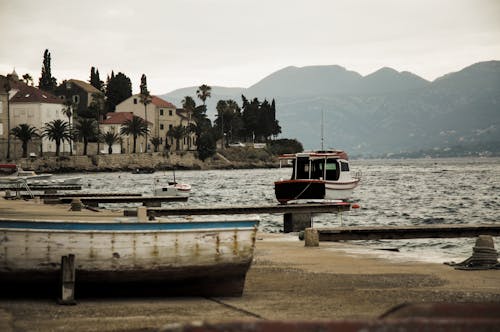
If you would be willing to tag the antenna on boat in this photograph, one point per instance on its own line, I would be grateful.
(322, 136)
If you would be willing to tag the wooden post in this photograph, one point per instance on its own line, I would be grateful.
(76, 204)
(311, 237)
(142, 214)
(296, 222)
(67, 280)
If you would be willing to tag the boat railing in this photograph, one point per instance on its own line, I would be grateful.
(357, 174)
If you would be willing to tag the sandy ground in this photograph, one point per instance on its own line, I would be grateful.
(286, 281)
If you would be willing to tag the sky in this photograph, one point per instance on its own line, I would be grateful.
(236, 43)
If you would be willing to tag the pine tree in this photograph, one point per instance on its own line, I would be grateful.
(47, 82)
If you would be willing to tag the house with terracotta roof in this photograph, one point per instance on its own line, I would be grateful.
(163, 115)
(80, 93)
(32, 106)
(113, 122)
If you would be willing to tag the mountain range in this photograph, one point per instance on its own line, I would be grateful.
(386, 112)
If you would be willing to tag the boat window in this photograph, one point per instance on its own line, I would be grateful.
(344, 167)
(302, 168)
(317, 169)
(332, 170)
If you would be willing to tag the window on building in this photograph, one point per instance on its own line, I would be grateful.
(161, 126)
(169, 112)
(135, 100)
(76, 99)
(161, 112)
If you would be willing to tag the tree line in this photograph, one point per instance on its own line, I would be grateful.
(255, 121)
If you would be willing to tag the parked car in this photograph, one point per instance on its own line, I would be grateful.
(237, 145)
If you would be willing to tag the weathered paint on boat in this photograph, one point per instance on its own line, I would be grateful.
(200, 257)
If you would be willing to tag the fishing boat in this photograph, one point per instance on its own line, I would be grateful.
(192, 257)
(316, 175)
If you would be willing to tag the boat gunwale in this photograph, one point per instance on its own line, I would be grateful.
(125, 227)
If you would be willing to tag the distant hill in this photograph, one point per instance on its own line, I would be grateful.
(383, 112)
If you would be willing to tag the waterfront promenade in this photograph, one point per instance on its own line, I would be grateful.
(287, 281)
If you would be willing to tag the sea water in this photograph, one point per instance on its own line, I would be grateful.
(408, 192)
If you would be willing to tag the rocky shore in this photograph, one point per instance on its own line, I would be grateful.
(150, 160)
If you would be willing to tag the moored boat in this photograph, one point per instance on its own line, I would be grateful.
(188, 257)
(30, 177)
(172, 189)
(317, 175)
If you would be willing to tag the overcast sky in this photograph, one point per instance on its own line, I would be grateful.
(236, 43)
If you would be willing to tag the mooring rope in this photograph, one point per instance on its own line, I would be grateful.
(246, 312)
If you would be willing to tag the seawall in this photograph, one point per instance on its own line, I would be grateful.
(127, 162)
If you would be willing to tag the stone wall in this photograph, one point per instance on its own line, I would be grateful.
(129, 162)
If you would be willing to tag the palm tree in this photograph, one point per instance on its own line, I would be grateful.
(68, 111)
(177, 133)
(25, 133)
(110, 138)
(86, 128)
(135, 127)
(156, 142)
(57, 131)
(96, 108)
(204, 92)
(145, 99)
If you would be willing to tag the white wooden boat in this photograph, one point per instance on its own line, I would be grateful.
(189, 257)
(32, 178)
(317, 175)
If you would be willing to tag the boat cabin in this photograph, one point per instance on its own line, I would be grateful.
(322, 165)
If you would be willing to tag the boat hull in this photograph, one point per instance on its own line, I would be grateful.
(182, 258)
(288, 190)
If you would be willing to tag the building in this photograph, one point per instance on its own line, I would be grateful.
(113, 122)
(80, 93)
(163, 115)
(32, 106)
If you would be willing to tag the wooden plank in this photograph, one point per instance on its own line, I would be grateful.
(406, 232)
(124, 199)
(34, 187)
(79, 195)
(292, 208)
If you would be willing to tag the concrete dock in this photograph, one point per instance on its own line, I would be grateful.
(287, 281)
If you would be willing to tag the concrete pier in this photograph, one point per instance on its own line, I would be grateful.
(406, 232)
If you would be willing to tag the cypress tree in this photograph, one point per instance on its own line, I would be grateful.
(118, 89)
(95, 80)
(46, 81)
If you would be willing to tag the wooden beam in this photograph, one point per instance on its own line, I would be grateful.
(291, 208)
(406, 232)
